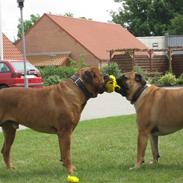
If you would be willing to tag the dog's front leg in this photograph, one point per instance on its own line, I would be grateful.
(154, 148)
(141, 147)
(9, 135)
(64, 137)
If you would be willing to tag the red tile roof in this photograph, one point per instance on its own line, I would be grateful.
(11, 52)
(56, 61)
(97, 37)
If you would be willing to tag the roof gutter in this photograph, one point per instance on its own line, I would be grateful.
(49, 53)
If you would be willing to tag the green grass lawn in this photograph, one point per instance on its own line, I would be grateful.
(103, 150)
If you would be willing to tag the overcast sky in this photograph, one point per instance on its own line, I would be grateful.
(98, 10)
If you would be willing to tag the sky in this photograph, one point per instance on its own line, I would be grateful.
(97, 10)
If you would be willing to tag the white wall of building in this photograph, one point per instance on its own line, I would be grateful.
(154, 42)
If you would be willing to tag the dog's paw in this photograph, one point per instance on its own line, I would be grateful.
(134, 168)
(11, 167)
(153, 162)
(137, 166)
(71, 169)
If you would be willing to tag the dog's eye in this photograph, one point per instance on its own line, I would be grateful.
(126, 78)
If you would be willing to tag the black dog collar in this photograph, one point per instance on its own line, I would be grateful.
(137, 94)
(80, 84)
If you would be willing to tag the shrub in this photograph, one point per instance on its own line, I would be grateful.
(154, 77)
(168, 80)
(51, 80)
(180, 79)
(62, 72)
(78, 64)
(112, 69)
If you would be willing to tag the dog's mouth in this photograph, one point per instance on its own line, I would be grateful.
(123, 86)
(101, 89)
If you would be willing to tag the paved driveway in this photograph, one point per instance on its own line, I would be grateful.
(107, 104)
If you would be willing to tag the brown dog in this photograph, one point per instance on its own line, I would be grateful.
(55, 109)
(159, 111)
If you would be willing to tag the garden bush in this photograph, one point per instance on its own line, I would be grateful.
(112, 69)
(54, 74)
(50, 80)
(167, 80)
(180, 79)
(62, 72)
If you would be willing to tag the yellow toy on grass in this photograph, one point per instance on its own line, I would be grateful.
(111, 84)
(72, 179)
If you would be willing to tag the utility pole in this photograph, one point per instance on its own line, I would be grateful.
(21, 5)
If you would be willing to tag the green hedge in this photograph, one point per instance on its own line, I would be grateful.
(54, 74)
(168, 79)
(112, 69)
(62, 72)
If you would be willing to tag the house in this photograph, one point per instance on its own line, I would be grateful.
(10, 52)
(54, 39)
(163, 42)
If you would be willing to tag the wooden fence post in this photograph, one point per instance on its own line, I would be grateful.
(170, 60)
(110, 56)
(150, 59)
(133, 58)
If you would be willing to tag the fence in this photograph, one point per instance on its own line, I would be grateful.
(149, 60)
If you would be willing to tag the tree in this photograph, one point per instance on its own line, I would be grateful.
(176, 26)
(69, 14)
(27, 24)
(147, 17)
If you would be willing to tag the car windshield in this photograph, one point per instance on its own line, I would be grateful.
(19, 66)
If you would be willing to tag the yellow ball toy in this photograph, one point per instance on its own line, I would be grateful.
(72, 179)
(111, 84)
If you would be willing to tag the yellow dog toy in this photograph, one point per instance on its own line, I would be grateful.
(72, 179)
(111, 84)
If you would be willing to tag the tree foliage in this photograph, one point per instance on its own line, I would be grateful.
(148, 17)
(176, 26)
(27, 24)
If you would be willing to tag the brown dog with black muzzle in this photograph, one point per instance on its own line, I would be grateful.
(54, 109)
(159, 111)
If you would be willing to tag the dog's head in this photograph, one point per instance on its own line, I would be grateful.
(93, 80)
(130, 83)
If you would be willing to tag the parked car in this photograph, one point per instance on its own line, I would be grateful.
(12, 74)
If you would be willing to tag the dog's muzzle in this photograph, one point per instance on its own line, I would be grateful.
(102, 87)
(123, 90)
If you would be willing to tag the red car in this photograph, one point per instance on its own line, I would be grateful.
(12, 74)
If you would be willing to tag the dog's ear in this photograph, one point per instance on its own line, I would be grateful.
(140, 79)
(88, 76)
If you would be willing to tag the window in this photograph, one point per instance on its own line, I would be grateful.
(4, 68)
(19, 66)
(155, 45)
